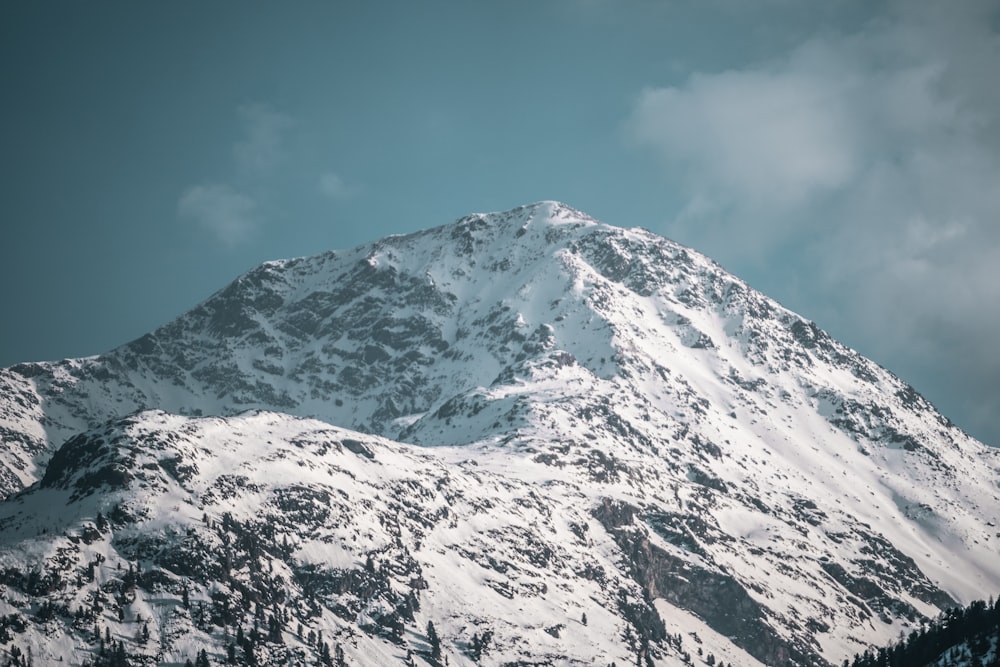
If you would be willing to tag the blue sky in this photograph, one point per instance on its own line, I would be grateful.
(843, 156)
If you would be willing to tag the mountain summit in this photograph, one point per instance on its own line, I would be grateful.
(525, 437)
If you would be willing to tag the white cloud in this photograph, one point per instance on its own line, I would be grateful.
(864, 170)
(760, 137)
(262, 145)
(334, 187)
(220, 209)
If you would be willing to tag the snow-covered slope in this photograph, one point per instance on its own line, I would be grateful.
(609, 424)
(318, 526)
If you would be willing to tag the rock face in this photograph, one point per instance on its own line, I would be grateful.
(550, 440)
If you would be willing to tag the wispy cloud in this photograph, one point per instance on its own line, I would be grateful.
(221, 210)
(334, 187)
(262, 146)
(233, 208)
(863, 168)
(231, 212)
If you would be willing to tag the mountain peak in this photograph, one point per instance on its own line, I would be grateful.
(546, 211)
(517, 222)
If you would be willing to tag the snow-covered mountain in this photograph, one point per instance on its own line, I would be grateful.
(554, 440)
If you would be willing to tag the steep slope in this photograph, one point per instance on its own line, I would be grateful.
(743, 477)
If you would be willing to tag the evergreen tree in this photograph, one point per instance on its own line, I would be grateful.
(957, 635)
(434, 641)
(120, 658)
(324, 655)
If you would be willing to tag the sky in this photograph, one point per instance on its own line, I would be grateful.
(843, 157)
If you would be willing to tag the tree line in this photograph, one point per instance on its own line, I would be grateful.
(965, 636)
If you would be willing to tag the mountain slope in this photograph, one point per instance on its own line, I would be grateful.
(741, 475)
(297, 518)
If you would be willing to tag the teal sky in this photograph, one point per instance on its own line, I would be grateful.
(843, 156)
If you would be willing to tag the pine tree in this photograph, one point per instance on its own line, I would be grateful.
(120, 658)
(274, 631)
(324, 655)
(434, 641)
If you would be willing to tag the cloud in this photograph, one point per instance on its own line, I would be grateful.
(232, 209)
(334, 187)
(230, 212)
(220, 209)
(262, 145)
(763, 138)
(861, 170)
